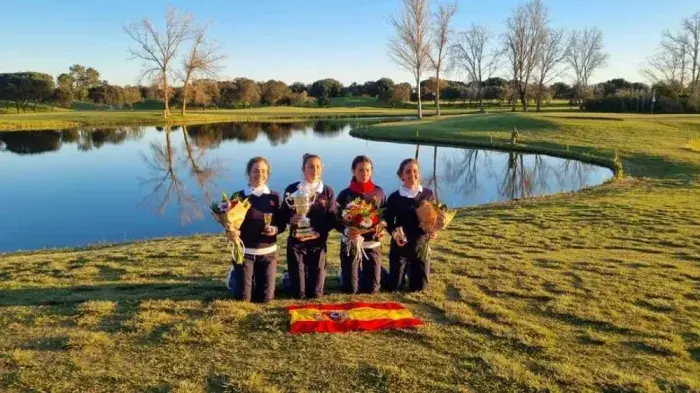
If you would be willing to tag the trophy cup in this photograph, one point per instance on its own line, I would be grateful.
(301, 201)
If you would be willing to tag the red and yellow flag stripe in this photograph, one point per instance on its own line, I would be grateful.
(344, 317)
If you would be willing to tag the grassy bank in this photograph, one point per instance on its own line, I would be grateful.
(593, 291)
(71, 119)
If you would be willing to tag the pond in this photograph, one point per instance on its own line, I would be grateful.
(88, 186)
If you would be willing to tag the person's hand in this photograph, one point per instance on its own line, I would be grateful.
(233, 235)
(379, 230)
(270, 230)
(354, 234)
(295, 219)
(399, 238)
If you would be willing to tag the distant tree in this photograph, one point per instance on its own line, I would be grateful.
(156, 49)
(328, 87)
(383, 85)
(65, 83)
(442, 35)
(227, 93)
(525, 31)
(24, 88)
(585, 55)
(298, 87)
(396, 95)
(114, 96)
(451, 94)
(474, 54)
(131, 95)
(247, 92)
(81, 79)
(203, 59)
(410, 48)
(61, 97)
(370, 88)
(275, 91)
(551, 54)
(300, 99)
(205, 92)
(561, 91)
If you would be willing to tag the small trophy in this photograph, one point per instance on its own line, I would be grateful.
(301, 201)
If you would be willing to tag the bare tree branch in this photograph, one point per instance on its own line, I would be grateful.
(203, 59)
(474, 55)
(442, 35)
(585, 54)
(157, 49)
(410, 48)
(551, 55)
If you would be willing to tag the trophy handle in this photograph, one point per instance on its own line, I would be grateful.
(288, 198)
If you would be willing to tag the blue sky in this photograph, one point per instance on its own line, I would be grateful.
(300, 40)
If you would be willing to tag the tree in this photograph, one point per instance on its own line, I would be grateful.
(62, 97)
(410, 49)
(441, 38)
(274, 91)
(383, 85)
(474, 55)
(524, 39)
(156, 49)
(326, 87)
(585, 55)
(298, 87)
(65, 83)
(113, 96)
(551, 54)
(396, 95)
(203, 59)
(562, 91)
(691, 38)
(670, 61)
(23, 88)
(131, 95)
(205, 92)
(247, 92)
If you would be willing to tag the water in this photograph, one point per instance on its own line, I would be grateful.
(80, 187)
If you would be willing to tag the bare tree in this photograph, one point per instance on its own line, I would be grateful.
(585, 54)
(410, 48)
(132, 95)
(203, 59)
(441, 37)
(668, 64)
(551, 55)
(157, 49)
(524, 39)
(691, 32)
(473, 55)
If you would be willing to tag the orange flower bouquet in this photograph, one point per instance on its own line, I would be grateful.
(230, 213)
(433, 217)
(362, 216)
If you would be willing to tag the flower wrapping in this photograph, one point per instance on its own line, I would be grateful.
(362, 216)
(230, 213)
(433, 217)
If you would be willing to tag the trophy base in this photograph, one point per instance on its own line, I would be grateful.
(305, 232)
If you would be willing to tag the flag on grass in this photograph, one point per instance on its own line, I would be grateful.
(345, 317)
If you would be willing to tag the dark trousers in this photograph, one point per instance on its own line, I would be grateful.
(307, 270)
(371, 271)
(255, 278)
(404, 261)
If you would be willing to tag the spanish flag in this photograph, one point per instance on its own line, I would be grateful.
(345, 317)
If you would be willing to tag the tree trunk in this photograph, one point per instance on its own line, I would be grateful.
(481, 97)
(420, 107)
(513, 97)
(184, 98)
(437, 92)
(166, 111)
(417, 151)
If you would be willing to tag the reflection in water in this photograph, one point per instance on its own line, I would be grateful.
(37, 142)
(519, 178)
(166, 178)
(177, 171)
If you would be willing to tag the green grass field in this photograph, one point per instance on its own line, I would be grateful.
(593, 291)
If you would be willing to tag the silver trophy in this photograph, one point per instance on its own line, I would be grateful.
(301, 201)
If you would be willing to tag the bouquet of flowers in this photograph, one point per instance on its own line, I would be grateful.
(433, 217)
(230, 213)
(362, 216)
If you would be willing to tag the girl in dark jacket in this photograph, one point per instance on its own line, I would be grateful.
(361, 186)
(306, 249)
(255, 278)
(402, 223)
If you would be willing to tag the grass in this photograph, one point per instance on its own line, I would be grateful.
(72, 119)
(593, 291)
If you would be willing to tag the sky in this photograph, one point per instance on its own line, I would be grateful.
(301, 40)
